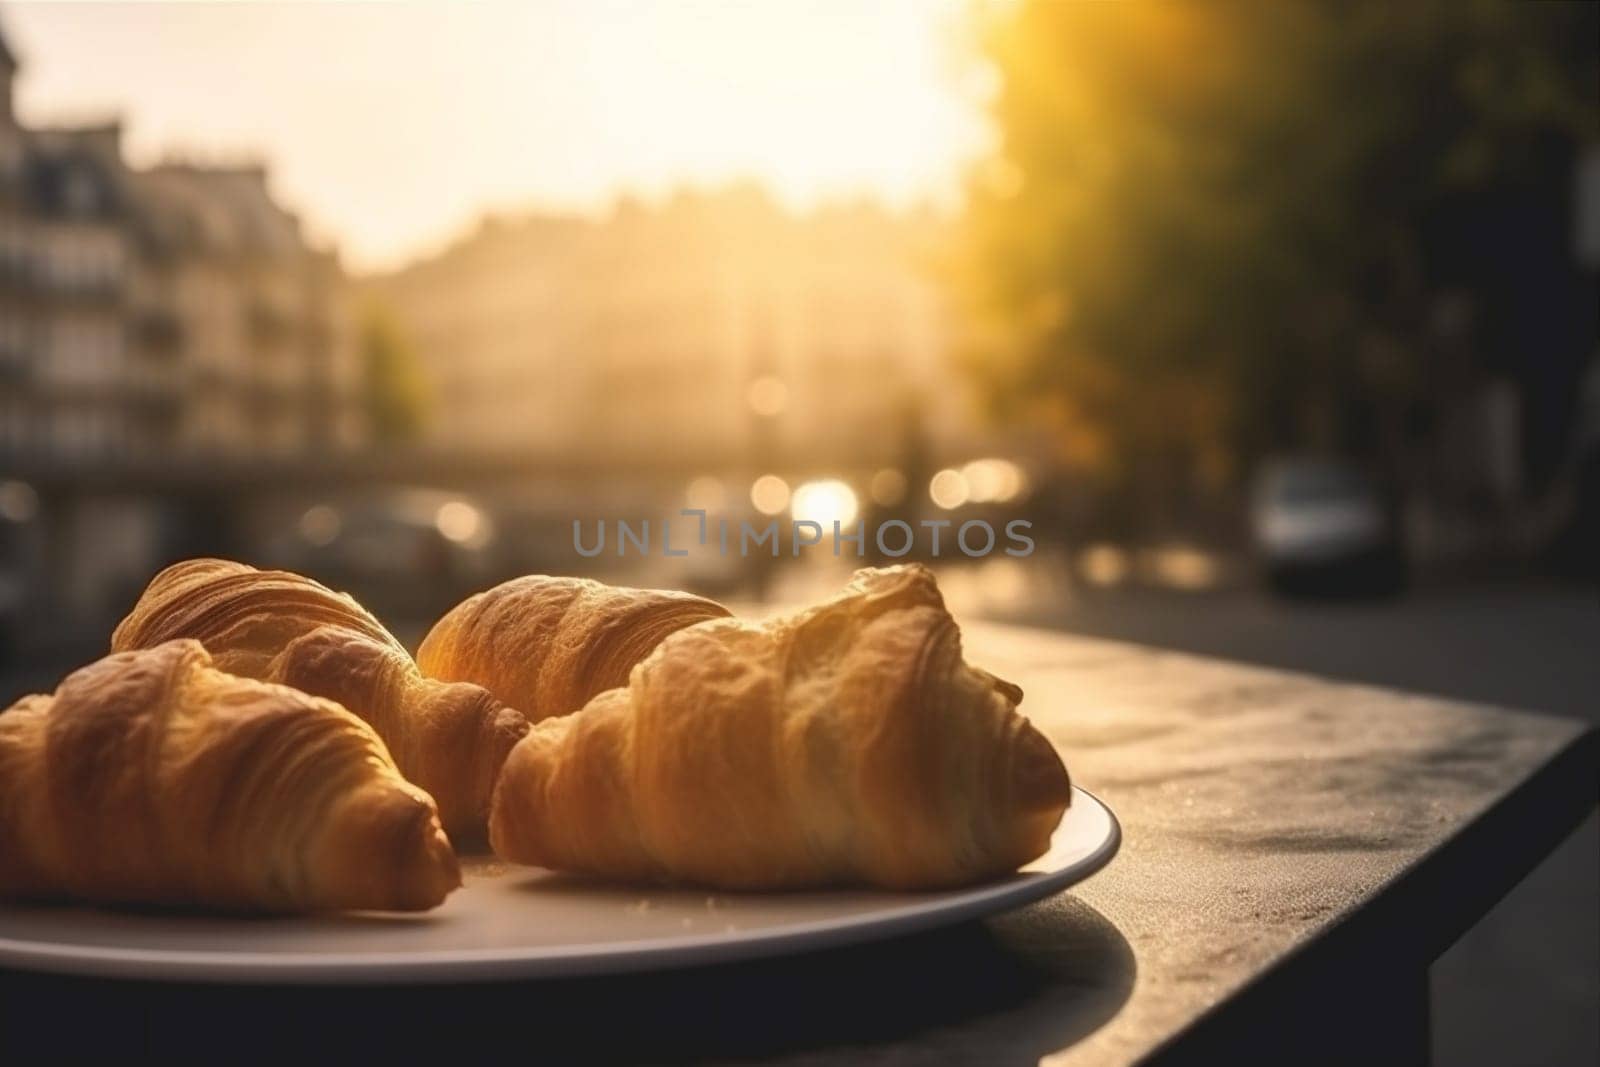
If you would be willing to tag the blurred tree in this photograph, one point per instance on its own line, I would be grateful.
(392, 372)
(1211, 230)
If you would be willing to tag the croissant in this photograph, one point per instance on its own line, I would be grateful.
(546, 645)
(847, 743)
(450, 739)
(152, 778)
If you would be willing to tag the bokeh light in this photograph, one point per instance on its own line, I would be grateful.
(993, 480)
(949, 489)
(462, 523)
(18, 501)
(707, 493)
(320, 525)
(769, 494)
(768, 396)
(1104, 565)
(825, 502)
(1183, 567)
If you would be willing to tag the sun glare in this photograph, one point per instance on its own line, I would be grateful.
(395, 126)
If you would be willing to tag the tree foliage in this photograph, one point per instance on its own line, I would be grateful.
(1208, 230)
(396, 394)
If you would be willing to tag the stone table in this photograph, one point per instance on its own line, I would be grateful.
(1295, 854)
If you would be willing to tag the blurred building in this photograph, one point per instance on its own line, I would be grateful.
(147, 314)
(157, 326)
(709, 330)
(254, 317)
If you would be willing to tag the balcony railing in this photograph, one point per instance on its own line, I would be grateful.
(27, 276)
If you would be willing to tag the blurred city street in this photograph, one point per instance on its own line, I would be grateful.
(1520, 644)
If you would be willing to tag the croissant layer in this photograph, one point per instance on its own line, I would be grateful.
(277, 626)
(150, 777)
(848, 743)
(547, 645)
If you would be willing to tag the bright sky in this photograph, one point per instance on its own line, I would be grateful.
(391, 126)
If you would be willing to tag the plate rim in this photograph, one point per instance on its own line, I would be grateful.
(614, 957)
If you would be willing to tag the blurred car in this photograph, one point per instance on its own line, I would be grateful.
(12, 605)
(1324, 526)
(18, 541)
(406, 554)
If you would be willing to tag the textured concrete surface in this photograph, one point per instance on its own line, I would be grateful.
(1523, 985)
(1258, 807)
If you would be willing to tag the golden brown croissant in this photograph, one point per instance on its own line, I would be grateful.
(846, 743)
(150, 777)
(282, 627)
(546, 645)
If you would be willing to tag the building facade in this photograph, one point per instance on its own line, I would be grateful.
(156, 325)
(712, 328)
(152, 314)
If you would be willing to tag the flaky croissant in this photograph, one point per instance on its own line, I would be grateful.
(450, 739)
(152, 778)
(847, 743)
(546, 645)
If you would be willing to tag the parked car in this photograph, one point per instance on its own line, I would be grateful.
(408, 555)
(1325, 526)
(18, 559)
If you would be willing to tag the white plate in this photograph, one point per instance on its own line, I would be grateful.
(522, 922)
